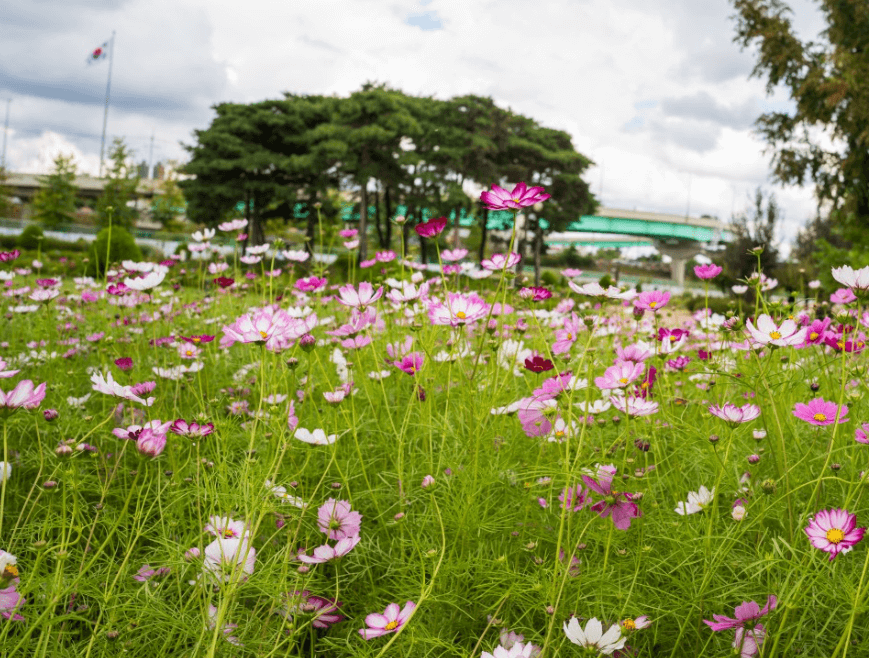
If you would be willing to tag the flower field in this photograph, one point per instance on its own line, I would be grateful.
(254, 456)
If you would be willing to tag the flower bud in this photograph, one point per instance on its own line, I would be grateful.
(63, 450)
(307, 342)
(753, 459)
(768, 487)
(49, 414)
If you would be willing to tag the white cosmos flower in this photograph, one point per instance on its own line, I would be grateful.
(150, 280)
(854, 279)
(317, 437)
(593, 636)
(697, 501)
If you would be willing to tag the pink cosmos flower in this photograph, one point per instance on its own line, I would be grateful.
(272, 326)
(733, 414)
(453, 255)
(567, 335)
(24, 395)
(326, 553)
(594, 289)
(748, 611)
(861, 435)
(637, 353)
(707, 272)
(820, 412)
(499, 262)
(359, 321)
(183, 428)
(391, 621)
(337, 520)
(619, 375)
(226, 527)
(817, 331)
(348, 233)
(223, 556)
(843, 296)
(534, 414)
(234, 225)
(520, 196)
(575, 498)
(311, 284)
(749, 641)
(324, 612)
(146, 573)
(151, 443)
(410, 363)
(124, 363)
(11, 601)
(652, 300)
(767, 332)
(617, 504)
(365, 296)
(385, 256)
(834, 531)
(461, 309)
(431, 228)
(535, 293)
(635, 405)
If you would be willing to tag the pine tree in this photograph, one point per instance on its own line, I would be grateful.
(54, 203)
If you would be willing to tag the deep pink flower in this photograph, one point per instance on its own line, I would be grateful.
(538, 364)
(183, 428)
(391, 621)
(535, 293)
(197, 339)
(222, 281)
(311, 284)
(124, 363)
(843, 296)
(746, 612)
(817, 331)
(150, 443)
(24, 395)
(834, 531)
(617, 504)
(706, 272)
(749, 641)
(520, 196)
(348, 233)
(431, 228)
(820, 412)
(7, 256)
(574, 498)
(337, 520)
(861, 435)
(410, 363)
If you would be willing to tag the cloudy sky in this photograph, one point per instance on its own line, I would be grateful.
(654, 91)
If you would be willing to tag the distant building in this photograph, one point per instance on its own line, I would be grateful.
(159, 171)
(143, 170)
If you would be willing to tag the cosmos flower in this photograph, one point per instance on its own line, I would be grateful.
(820, 412)
(767, 332)
(323, 612)
(431, 228)
(520, 196)
(617, 504)
(326, 553)
(391, 621)
(461, 309)
(652, 300)
(364, 296)
(499, 262)
(733, 414)
(593, 637)
(24, 395)
(707, 272)
(337, 520)
(854, 279)
(697, 501)
(619, 375)
(747, 611)
(834, 531)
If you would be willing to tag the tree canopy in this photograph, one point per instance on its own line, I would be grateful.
(54, 203)
(382, 149)
(120, 188)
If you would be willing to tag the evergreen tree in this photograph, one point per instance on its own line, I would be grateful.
(168, 203)
(120, 189)
(54, 203)
(5, 195)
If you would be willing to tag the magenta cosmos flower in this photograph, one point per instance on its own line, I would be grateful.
(431, 228)
(617, 504)
(733, 414)
(311, 284)
(861, 434)
(652, 300)
(183, 428)
(834, 531)
(521, 196)
(819, 412)
(391, 621)
(337, 520)
(747, 611)
(323, 612)
(24, 395)
(707, 272)
(410, 363)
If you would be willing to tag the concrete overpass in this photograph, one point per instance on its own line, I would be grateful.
(25, 186)
(676, 236)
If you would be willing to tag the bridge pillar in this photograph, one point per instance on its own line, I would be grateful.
(680, 252)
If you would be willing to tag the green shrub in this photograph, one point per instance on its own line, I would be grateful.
(606, 281)
(123, 247)
(30, 237)
(548, 278)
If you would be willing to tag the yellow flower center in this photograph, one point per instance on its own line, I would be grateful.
(820, 417)
(673, 339)
(189, 352)
(196, 339)
(559, 433)
(834, 535)
(629, 625)
(515, 200)
(391, 626)
(653, 304)
(461, 315)
(624, 380)
(11, 571)
(813, 335)
(228, 533)
(774, 335)
(263, 334)
(569, 336)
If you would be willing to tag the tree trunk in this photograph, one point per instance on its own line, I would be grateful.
(312, 223)
(423, 251)
(388, 201)
(520, 248)
(484, 233)
(363, 223)
(377, 226)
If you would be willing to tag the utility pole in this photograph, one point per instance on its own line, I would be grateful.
(5, 132)
(106, 112)
(688, 207)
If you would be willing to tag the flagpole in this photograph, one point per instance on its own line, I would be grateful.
(5, 132)
(106, 112)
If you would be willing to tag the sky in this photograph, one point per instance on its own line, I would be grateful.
(655, 92)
